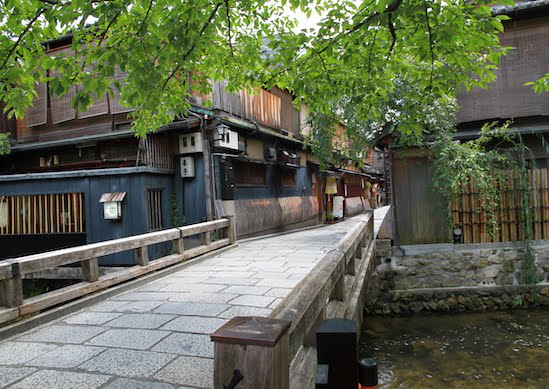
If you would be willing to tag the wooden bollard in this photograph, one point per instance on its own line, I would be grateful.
(252, 353)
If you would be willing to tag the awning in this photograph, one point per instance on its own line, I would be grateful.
(112, 197)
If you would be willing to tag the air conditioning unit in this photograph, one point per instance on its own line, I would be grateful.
(190, 143)
(187, 167)
(270, 153)
(225, 138)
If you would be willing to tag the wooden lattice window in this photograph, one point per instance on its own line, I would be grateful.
(250, 174)
(42, 214)
(154, 208)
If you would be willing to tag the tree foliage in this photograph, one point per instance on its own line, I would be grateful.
(354, 60)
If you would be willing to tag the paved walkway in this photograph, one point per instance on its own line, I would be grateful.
(156, 336)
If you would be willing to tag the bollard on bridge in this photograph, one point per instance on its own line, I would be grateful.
(251, 353)
(336, 345)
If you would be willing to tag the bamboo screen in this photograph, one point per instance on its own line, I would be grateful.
(468, 214)
(42, 214)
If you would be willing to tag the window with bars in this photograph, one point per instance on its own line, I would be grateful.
(42, 214)
(250, 174)
(154, 208)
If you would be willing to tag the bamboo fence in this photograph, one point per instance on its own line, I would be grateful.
(509, 220)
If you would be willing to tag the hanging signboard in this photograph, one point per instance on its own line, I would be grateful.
(331, 185)
(338, 206)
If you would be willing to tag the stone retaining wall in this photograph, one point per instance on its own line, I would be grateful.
(464, 277)
(459, 299)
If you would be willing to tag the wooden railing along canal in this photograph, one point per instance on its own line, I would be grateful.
(13, 305)
(336, 288)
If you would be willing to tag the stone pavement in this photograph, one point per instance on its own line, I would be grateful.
(157, 336)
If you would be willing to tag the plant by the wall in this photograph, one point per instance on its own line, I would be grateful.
(5, 145)
(175, 211)
(459, 164)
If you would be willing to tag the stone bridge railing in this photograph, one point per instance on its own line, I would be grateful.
(13, 305)
(334, 289)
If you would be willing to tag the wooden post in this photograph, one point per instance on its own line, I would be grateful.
(208, 238)
(178, 246)
(90, 270)
(231, 230)
(251, 353)
(11, 289)
(142, 256)
(338, 293)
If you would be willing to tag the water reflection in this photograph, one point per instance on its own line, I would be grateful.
(474, 350)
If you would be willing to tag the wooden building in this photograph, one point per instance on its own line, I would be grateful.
(418, 218)
(82, 177)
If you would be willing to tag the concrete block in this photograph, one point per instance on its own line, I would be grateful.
(51, 379)
(194, 324)
(128, 363)
(9, 375)
(129, 338)
(186, 344)
(140, 320)
(63, 334)
(278, 292)
(194, 288)
(278, 283)
(239, 310)
(218, 298)
(66, 356)
(13, 353)
(139, 306)
(91, 318)
(192, 309)
(192, 371)
(239, 289)
(231, 281)
(127, 383)
(253, 301)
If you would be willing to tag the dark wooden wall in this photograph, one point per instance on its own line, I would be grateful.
(418, 215)
(508, 97)
(134, 208)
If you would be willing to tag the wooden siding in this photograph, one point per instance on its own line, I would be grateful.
(508, 97)
(418, 218)
(260, 106)
(260, 215)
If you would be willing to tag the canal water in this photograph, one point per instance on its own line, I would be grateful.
(466, 350)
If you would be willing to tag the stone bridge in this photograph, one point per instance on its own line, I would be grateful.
(153, 331)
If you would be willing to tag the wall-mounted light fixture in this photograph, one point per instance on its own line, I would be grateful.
(457, 235)
(112, 205)
(221, 133)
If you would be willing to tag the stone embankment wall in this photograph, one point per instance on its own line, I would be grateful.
(449, 277)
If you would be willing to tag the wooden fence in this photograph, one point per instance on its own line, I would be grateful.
(334, 289)
(13, 305)
(467, 212)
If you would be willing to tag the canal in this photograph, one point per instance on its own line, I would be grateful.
(473, 350)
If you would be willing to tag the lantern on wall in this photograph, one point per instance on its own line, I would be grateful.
(112, 205)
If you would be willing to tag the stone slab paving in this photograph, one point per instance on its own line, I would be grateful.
(157, 335)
